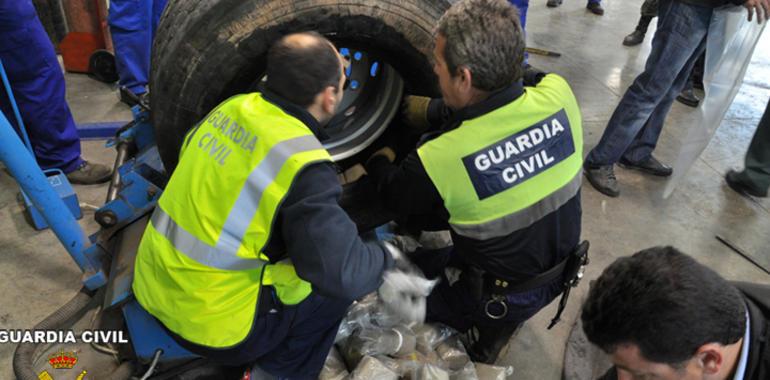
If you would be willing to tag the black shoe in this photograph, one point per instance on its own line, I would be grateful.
(635, 38)
(595, 8)
(649, 166)
(688, 98)
(741, 187)
(553, 3)
(603, 179)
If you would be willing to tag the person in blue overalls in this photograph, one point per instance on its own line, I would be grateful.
(132, 25)
(38, 86)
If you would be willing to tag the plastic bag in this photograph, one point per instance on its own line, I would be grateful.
(729, 46)
(453, 354)
(468, 372)
(431, 335)
(491, 372)
(404, 294)
(431, 372)
(372, 369)
(334, 368)
(359, 316)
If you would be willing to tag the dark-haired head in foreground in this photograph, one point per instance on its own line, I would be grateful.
(662, 315)
(306, 69)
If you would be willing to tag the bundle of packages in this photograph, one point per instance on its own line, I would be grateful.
(374, 344)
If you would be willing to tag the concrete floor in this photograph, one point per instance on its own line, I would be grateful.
(38, 276)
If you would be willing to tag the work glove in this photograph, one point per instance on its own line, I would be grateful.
(352, 174)
(415, 112)
(386, 152)
(404, 289)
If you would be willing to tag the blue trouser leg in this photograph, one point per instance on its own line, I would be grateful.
(522, 6)
(157, 10)
(132, 25)
(644, 143)
(678, 41)
(37, 83)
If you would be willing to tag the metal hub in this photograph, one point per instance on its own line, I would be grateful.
(373, 92)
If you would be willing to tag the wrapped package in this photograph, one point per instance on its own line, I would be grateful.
(491, 372)
(334, 368)
(359, 316)
(383, 317)
(431, 335)
(372, 369)
(403, 367)
(453, 354)
(431, 372)
(373, 341)
(468, 372)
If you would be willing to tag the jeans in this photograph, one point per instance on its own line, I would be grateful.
(635, 126)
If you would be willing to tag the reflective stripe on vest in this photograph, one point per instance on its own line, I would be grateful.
(224, 254)
(200, 263)
(505, 170)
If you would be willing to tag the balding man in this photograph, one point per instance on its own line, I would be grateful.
(248, 257)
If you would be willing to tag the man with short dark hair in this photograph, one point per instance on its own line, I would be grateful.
(248, 256)
(502, 172)
(662, 315)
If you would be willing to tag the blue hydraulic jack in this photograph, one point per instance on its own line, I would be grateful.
(106, 257)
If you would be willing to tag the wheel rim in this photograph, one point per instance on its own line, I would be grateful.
(372, 97)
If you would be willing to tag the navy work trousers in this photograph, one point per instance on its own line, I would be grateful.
(290, 342)
(461, 305)
(37, 83)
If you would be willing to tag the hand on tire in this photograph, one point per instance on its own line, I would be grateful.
(415, 112)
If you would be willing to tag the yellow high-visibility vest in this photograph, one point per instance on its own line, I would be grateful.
(200, 263)
(504, 170)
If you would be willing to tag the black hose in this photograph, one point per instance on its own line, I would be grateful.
(25, 352)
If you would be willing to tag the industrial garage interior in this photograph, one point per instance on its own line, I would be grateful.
(37, 276)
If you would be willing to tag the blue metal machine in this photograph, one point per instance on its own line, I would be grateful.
(106, 258)
(57, 180)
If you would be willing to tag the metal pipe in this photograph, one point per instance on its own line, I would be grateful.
(112, 190)
(34, 183)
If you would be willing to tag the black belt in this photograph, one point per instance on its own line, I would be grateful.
(570, 270)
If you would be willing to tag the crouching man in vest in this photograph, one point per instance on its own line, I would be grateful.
(248, 257)
(502, 173)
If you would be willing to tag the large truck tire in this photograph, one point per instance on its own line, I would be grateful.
(206, 51)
